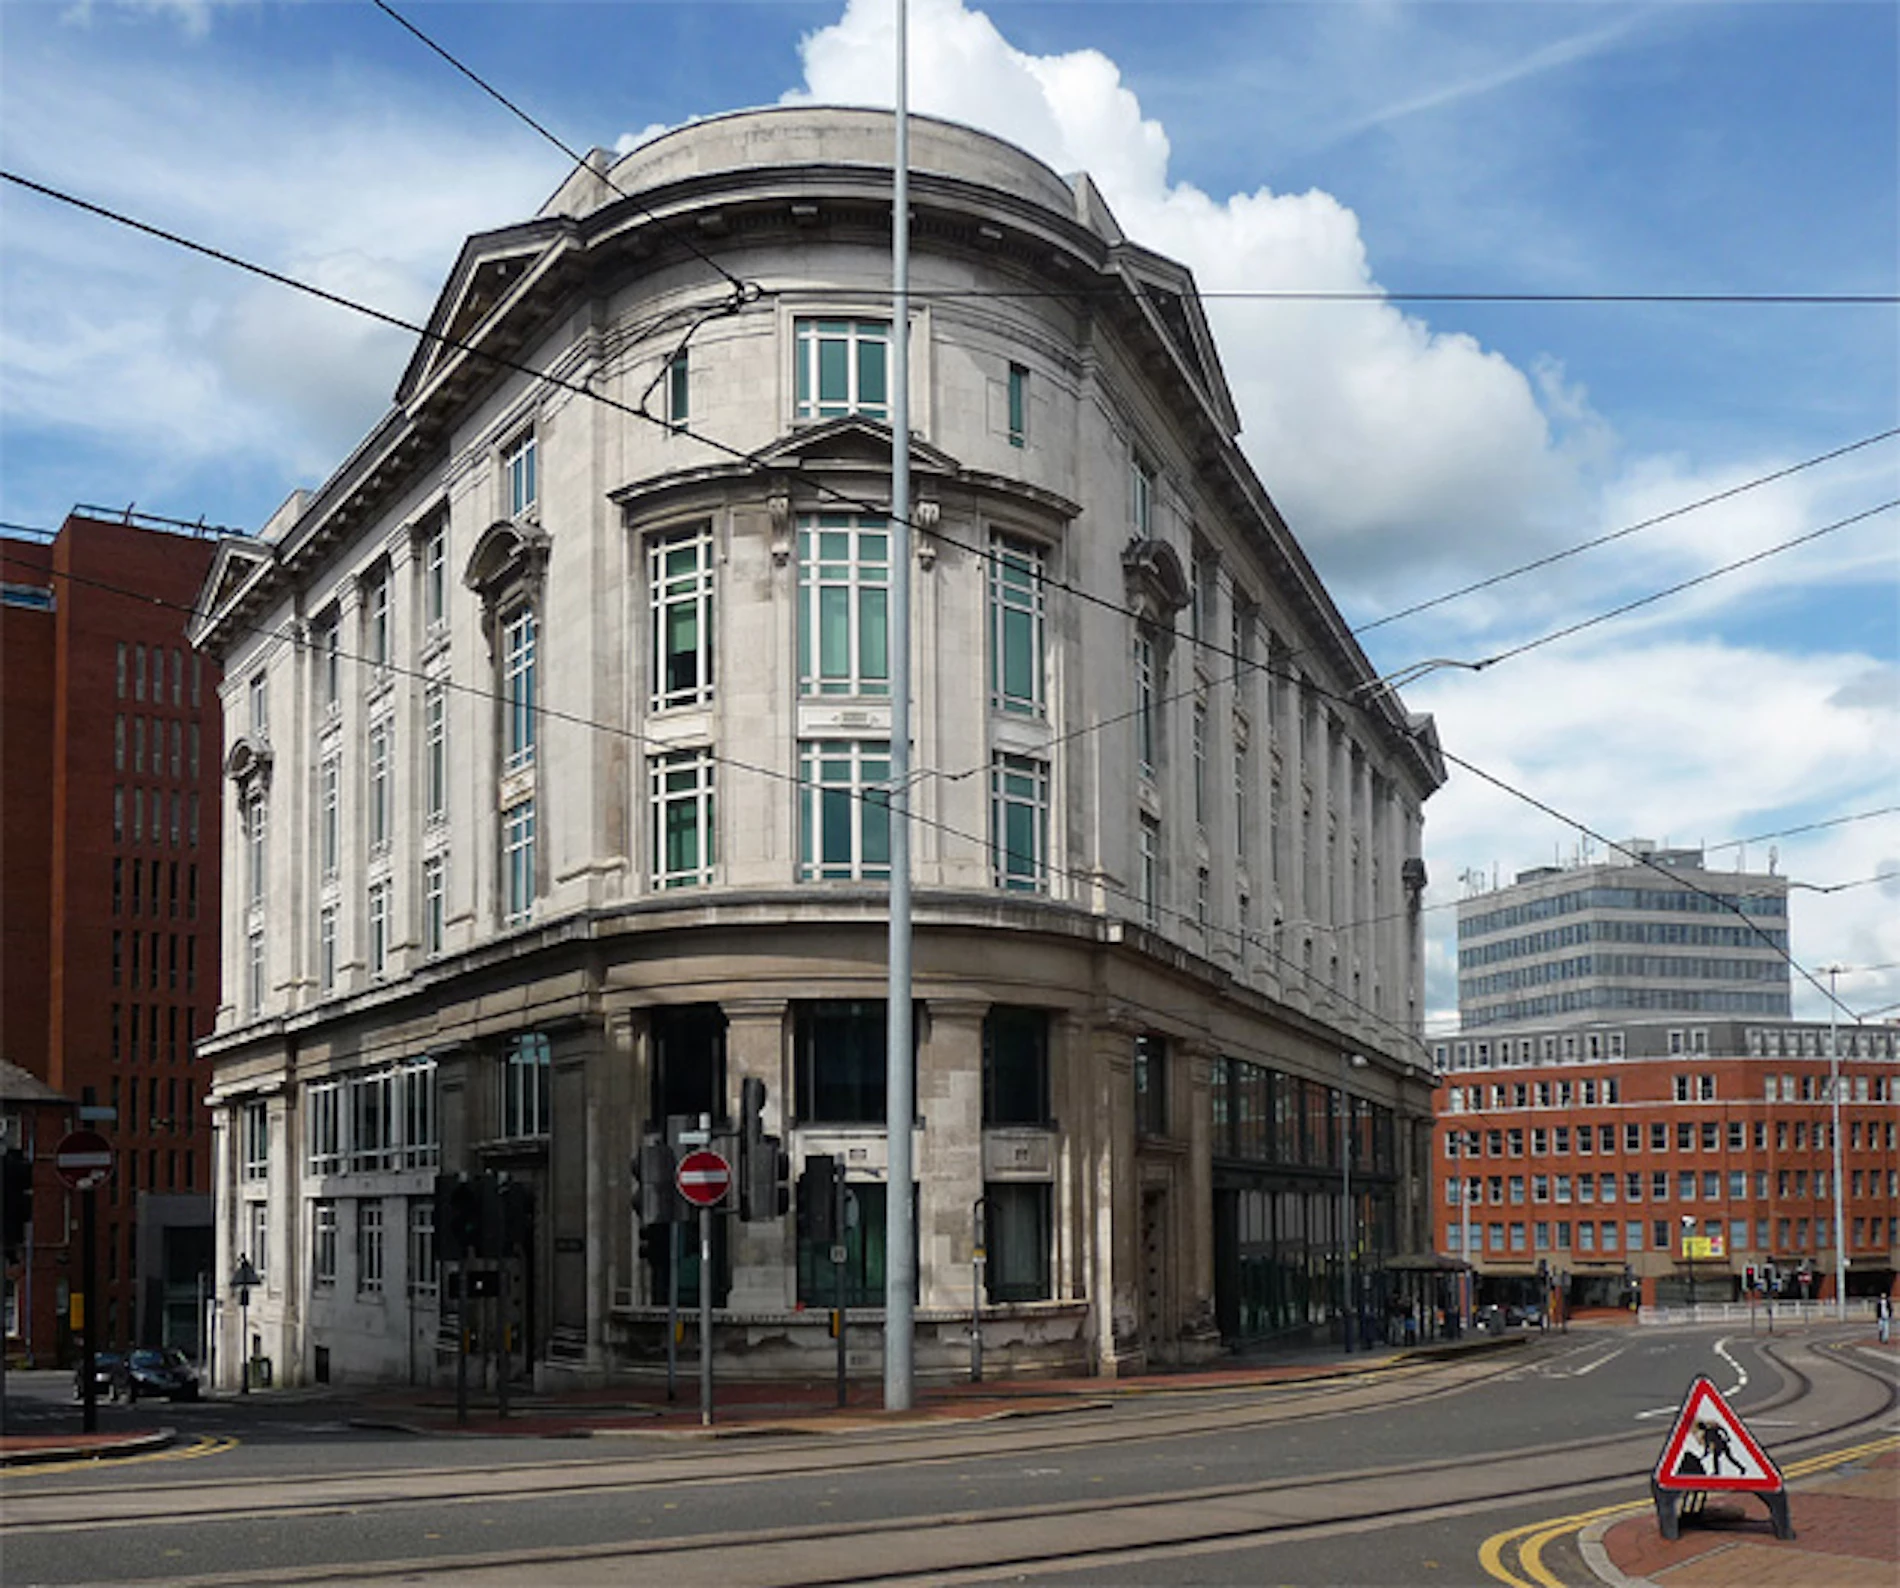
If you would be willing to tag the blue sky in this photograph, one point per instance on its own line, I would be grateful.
(1460, 147)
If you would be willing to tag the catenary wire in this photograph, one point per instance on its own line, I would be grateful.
(1086, 596)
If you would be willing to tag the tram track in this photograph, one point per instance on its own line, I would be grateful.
(972, 1544)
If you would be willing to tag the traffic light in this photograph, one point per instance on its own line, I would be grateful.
(655, 1197)
(817, 1201)
(764, 1171)
(458, 1218)
(17, 1195)
(654, 1248)
(1750, 1279)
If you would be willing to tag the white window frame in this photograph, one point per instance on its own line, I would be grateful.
(520, 467)
(681, 786)
(435, 579)
(855, 772)
(1148, 876)
(326, 947)
(811, 335)
(254, 1139)
(520, 644)
(435, 751)
(518, 840)
(378, 915)
(526, 1087)
(681, 566)
(1145, 711)
(434, 903)
(323, 1241)
(1017, 602)
(377, 812)
(329, 816)
(1019, 785)
(370, 1246)
(852, 590)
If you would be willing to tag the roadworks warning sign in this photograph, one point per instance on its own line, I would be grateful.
(1711, 1448)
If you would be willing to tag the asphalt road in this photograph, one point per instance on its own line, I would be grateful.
(1289, 1484)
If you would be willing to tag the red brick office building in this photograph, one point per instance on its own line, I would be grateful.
(1589, 1152)
(110, 752)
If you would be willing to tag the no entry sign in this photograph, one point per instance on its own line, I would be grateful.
(84, 1159)
(704, 1178)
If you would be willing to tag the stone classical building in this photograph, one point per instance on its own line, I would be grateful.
(558, 725)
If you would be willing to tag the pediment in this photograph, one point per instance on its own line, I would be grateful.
(851, 442)
(507, 552)
(233, 566)
(1169, 299)
(489, 272)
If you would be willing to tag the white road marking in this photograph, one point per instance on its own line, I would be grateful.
(1741, 1373)
(1592, 1367)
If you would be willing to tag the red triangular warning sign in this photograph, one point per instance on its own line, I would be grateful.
(1711, 1448)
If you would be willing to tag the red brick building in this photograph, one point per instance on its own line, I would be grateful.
(110, 752)
(1589, 1153)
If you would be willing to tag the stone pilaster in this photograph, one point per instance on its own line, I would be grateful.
(949, 1160)
(765, 1253)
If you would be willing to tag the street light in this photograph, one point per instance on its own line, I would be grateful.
(1348, 1224)
(1834, 1088)
(1688, 1256)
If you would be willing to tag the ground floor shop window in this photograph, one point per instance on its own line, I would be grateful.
(839, 1049)
(1017, 1234)
(863, 1242)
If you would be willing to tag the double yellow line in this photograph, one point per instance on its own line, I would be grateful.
(208, 1445)
(1530, 1541)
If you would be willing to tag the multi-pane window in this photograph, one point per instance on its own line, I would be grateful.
(376, 619)
(255, 855)
(1151, 1085)
(329, 664)
(416, 1089)
(260, 706)
(434, 903)
(517, 862)
(682, 801)
(1141, 495)
(1019, 823)
(326, 948)
(518, 475)
(435, 752)
(1144, 705)
(371, 1116)
(257, 1226)
(329, 792)
(369, 1246)
(843, 368)
(680, 589)
(1243, 780)
(422, 1281)
(839, 1053)
(844, 575)
(844, 812)
(1016, 627)
(1016, 1227)
(323, 1241)
(679, 390)
(518, 636)
(1018, 405)
(254, 1136)
(1148, 875)
(323, 1115)
(435, 577)
(525, 1086)
(254, 971)
(378, 794)
(379, 928)
(1199, 747)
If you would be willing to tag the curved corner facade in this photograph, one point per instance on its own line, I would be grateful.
(558, 725)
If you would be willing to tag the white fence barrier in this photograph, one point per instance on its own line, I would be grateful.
(1860, 1309)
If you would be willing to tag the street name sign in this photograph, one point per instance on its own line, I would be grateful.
(1709, 1448)
(83, 1160)
(704, 1178)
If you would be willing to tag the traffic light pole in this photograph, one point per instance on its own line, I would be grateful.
(705, 1317)
(837, 1267)
(461, 1342)
(88, 1278)
(675, 1250)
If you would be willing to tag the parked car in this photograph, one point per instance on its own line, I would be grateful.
(150, 1372)
(105, 1367)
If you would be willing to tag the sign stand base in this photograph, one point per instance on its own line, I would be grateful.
(1672, 1505)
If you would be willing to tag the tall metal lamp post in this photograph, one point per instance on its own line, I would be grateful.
(1688, 1255)
(1834, 1090)
(1348, 1223)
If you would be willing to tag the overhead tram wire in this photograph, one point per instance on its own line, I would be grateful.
(745, 290)
(556, 715)
(1089, 597)
(1806, 827)
(844, 498)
